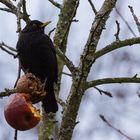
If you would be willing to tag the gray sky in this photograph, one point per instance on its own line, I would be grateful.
(122, 112)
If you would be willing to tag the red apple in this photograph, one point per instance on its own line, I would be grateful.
(20, 114)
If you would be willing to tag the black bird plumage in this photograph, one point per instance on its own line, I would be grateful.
(37, 55)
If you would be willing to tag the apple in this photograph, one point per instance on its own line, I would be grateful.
(31, 85)
(20, 113)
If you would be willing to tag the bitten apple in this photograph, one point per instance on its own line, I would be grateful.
(20, 114)
(32, 86)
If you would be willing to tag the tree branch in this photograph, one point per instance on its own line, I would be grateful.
(13, 9)
(135, 17)
(56, 4)
(116, 45)
(120, 80)
(67, 62)
(103, 92)
(113, 127)
(8, 49)
(77, 89)
(127, 24)
(93, 7)
(118, 31)
(7, 92)
(67, 13)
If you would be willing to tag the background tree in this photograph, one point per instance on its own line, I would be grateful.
(85, 70)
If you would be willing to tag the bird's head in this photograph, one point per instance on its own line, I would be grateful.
(35, 26)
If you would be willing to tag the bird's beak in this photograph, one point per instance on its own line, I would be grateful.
(45, 23)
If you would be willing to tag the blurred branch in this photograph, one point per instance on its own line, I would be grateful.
(56, 4)
(51, 31)
(6, 10)
(19, 5)
(61, 102)
(13, 9)
(103, 92)
(118, 31)
(116, 45)
(67, 74)
(116, 129)
(16, 133)
(7, 92)
(127, 24)
(93, 7)
(120, 80)
(135, 17)
(8, 49)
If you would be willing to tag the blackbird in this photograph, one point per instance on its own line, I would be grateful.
(37, 55)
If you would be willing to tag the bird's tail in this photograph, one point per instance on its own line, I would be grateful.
(49, 101)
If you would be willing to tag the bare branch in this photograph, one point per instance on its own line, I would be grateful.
(93, 7)
(7, 10)
(112, 81)
(7, 92)
(14, 10)
(8, 49)
(127, 24)
(56, 4)
(77, 88)
(61, 102)
(67, 74)
(103, 92)
(118, 31)
(64, 58)
(24, 8)
(19, 5)
(116, 45)
(16, 133)
(51, 31)
(135, 17)
(113, 127)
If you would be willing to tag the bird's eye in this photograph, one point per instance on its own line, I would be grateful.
(34, 25)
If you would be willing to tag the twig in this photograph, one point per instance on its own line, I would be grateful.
(24, 8)
(116, 45)
(7, 10)
(67, 74)
(19, 5)
(51, 31)
(112, 81)
(93, 7)
(56, 4)
(113, 127)
(6, 48)
(135, 17)
(7, 92)
(104, 92)
(68, 63)
(16, 133)
(68, 27)
(19, 73)
(15, 11)
(61, 102)
(74, 20)
(118, 31)
(127, 24)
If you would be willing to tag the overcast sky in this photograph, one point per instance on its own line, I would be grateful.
(122, 110)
